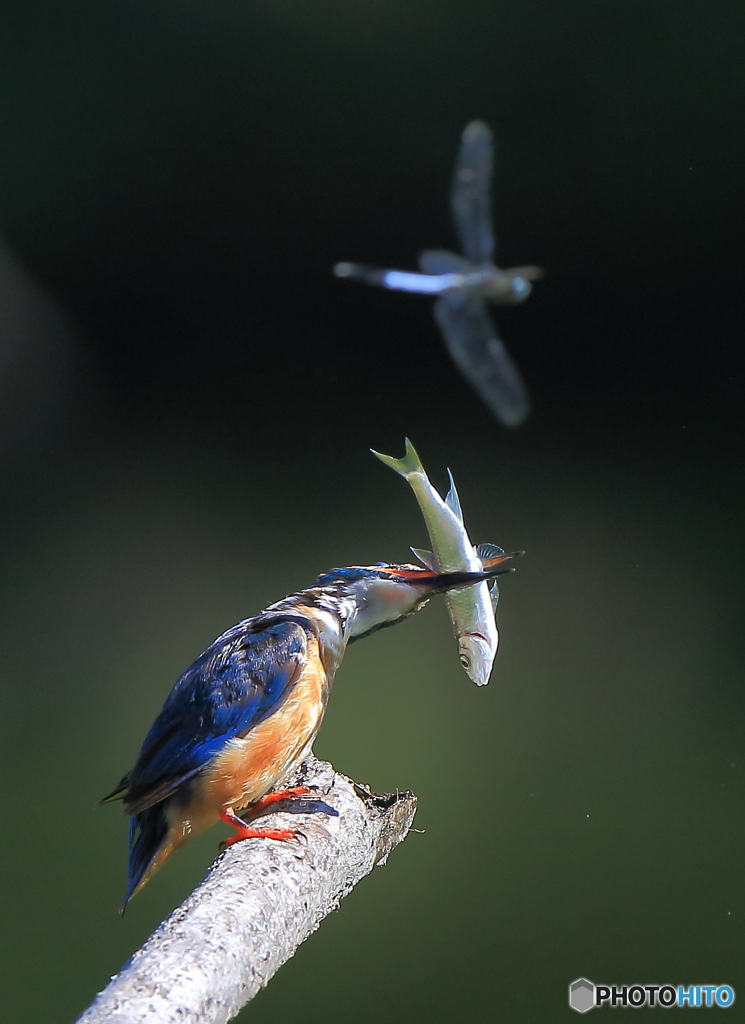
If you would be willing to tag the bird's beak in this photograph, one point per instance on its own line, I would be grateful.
(440, 582)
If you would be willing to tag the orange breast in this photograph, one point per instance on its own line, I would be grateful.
(251, 765)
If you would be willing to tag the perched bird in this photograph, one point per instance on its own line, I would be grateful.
(246, 713)
(463, 284)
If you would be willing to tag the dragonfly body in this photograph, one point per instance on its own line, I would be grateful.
(464, 284)
(503, 286)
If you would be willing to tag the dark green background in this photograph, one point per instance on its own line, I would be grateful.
(181, 175)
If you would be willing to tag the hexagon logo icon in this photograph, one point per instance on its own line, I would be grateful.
(582, 995)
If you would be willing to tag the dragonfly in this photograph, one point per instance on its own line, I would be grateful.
(464, 284)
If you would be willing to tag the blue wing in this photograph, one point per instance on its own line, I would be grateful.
(471, 195)
(480, 355)
(239, 680)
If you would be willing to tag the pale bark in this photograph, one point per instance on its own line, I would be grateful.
(260, 899)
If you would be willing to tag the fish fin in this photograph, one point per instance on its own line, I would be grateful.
(425, 557)
(452, 500)
(409, 464)
(488, 551)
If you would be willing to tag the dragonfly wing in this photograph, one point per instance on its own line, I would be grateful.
(480, 355)
(440, 261)
(471, 195)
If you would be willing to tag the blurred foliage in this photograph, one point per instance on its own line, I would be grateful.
(181, 176)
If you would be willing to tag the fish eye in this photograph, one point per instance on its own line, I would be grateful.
(465, 661)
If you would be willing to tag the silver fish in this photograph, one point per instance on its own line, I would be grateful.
(471, 609)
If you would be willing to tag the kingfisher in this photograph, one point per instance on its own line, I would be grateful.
(246, 713)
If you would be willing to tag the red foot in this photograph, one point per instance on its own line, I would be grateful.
(243, 831)
(259, 833)
(260, 806)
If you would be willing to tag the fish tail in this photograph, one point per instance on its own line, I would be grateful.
(408, 465)
(151, 842)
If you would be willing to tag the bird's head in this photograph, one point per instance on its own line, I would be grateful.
(373, 596)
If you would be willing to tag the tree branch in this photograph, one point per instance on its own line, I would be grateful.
(258, 902)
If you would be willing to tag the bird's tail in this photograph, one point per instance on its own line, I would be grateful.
(151, 842)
